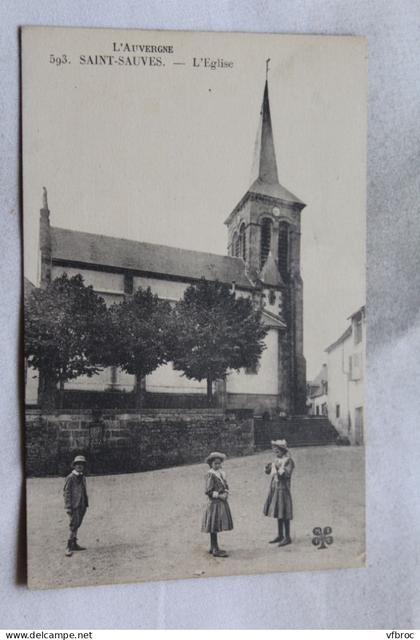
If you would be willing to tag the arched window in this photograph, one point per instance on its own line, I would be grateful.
(235, 245)
(242, 241)
(266, 228)
(283, 250)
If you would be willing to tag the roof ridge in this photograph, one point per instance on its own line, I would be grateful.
(150, 244)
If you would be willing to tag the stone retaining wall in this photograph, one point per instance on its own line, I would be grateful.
(116, 442)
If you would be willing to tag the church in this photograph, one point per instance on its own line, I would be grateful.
(262, 262)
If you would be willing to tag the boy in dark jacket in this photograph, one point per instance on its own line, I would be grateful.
(75, 501)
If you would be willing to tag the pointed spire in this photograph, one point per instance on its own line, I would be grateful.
(264, 177)
(265, 165)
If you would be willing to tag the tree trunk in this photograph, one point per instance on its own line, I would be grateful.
(139, 389)
(221, 395)
(209, 391)
(47, 391)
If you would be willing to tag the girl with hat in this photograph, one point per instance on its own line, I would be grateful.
(217, 516)
(279, 500)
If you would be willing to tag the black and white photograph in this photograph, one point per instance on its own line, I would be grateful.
(194, 213)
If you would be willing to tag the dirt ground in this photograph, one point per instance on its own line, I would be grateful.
(146, 526)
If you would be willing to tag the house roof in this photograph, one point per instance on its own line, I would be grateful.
(347, 332)
(360, 311)
(270, 274)
(93, 249)
(341, 339)
(315, 385)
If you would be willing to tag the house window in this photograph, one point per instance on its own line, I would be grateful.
(317, 409)
(337, 410)
(235, 245)
(266, 227)
(356, 366)
(358, 330)
(283, 250)
(272, 297)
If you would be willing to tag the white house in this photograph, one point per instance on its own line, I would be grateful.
(346, 360)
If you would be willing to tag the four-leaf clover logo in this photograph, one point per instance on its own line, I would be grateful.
(322, 537)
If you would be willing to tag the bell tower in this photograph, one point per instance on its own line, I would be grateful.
(264, 230)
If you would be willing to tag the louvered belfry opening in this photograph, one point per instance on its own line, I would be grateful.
(266, 229)
(283, 250)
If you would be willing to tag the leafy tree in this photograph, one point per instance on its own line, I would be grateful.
(66, 334)
(140, 335)
(215, 331)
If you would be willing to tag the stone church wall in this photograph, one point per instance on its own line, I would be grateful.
(264, 380)
(130, 442)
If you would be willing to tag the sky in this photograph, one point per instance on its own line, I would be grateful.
(163, 153)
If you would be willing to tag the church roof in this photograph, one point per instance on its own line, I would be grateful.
(93, 249)
(270, 274)
(273, 191)
(272, 320)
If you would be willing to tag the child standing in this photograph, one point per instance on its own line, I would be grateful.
(75, 501)
(217, 516)
(279, 500)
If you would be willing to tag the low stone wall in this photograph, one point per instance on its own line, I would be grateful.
(116, 442)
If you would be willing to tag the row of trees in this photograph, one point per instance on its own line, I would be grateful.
(69, 331)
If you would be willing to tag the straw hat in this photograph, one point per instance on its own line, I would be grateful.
(281, 444)
(78, 459)
(215, 454)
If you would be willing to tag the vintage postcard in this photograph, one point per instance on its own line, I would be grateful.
(194, 290)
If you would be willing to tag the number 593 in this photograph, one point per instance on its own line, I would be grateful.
(59, 60)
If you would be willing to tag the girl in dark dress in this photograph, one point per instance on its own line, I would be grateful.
(279, 500)
(217, 516)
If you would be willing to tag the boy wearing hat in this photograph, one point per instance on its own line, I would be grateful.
(279, 500)
(75, 501)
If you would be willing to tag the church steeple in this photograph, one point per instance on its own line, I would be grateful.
(264, 177)
(268, 219)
